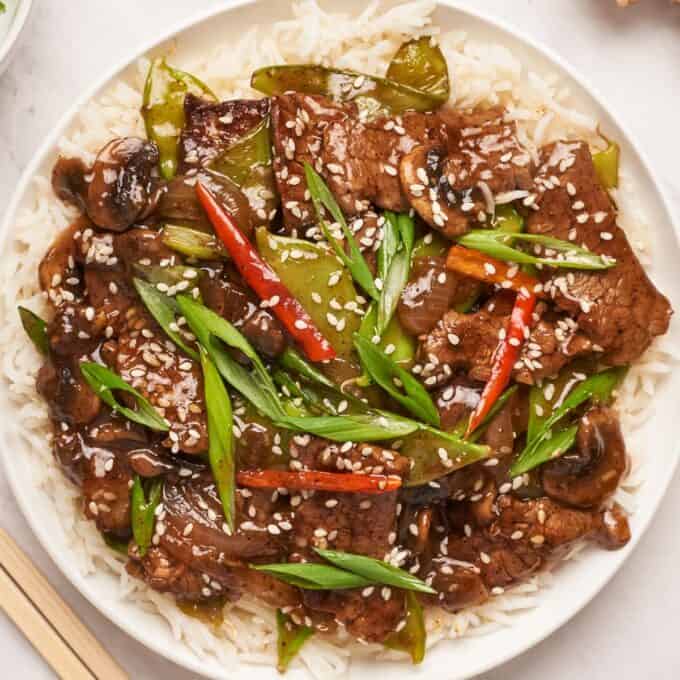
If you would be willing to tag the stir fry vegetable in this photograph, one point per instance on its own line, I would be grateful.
(348, 571)
(567, 254)
(376, 571)
(35, 328)
(220, 438)
(193, 243)
(265, 282)
(291, 360)
(420, 64)
(318, 480)
(104, 381)
(143, 512)
(505, 357)
(398, 383)
(607, 165)
(290, 638)
(163, 109)
(482, 267)
(164, 310)
(323, 198)
(598, 387)
(412, 638)
(306, 269)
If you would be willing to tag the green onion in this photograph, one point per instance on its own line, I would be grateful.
(412, 638)
(407, 229)
(355, 262)
(292, 360)
(35, 328)
(220, 438)
(164, 310)
(375, 571)
(290, 638)
(461, 427)
(496, 244)
(193, 243)
(366, 427)
(143, 512)
(397, 382)
(104, 381)
(552, 446)
(121, 547)
(598, 387)
(389, 245)
(312, 576)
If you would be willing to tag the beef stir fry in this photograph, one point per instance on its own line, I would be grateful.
(344, 348)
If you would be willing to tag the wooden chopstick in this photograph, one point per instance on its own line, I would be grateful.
(47, 621)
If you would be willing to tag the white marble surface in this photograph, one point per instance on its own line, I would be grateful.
(633, 57)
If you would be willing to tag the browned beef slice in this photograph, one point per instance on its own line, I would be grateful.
(619, 309)
(453, 185)
(361, 160)
(298, 123)
(191, 526)
(431, 291)
(169, 379)
(468, 342)
(224, 292)
(371, 614)
(210, 128)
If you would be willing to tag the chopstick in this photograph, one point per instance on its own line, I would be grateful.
(47, 621)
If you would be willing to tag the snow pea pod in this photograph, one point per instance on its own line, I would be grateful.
(163, 109)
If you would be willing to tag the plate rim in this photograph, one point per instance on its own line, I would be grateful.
(181, 655)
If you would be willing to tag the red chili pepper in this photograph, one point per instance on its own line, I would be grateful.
(505, 357)
(482, 267)
(320, 481)
(265, 281)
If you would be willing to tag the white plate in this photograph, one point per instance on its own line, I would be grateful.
(20, 10)
(577, 582)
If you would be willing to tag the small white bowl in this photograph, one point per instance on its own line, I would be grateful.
(10, 40)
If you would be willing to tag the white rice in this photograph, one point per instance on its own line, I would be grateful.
(482, 74)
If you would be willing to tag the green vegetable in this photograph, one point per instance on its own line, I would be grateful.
(375, 571)
(397, 382)
(171, 280)
(3, 9)
(35, 328)
(393, 285)
(373, 95)
(220, 437)
(248, 163)
(607, 166)
(256, 385)
(495, 243)
(508, 220)
(407, 229)
(104, 381)
(164, 310)
(163, 109)
(461, 428)
(551, 447)
(292, 360)
(121, 547)
(598, 387)
(193, 243)
(412, 638)
(143, 511)
(400, 345)
(323, 198)
(389, 245)
(420, 64)
(290, 638)
(430, 245)
(306, 268)
(312, 576)
(361, 427)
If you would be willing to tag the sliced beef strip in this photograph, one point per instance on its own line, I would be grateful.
(523, 536)
(298, 124)
(360, 160)
(224, 292)
(431, 291)
(191, 525)
(453, 185)
(468, 342)
(619, 309)
(212, 127)
(169, 379)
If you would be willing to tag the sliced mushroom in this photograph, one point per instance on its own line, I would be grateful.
(123, 186)
(428, 191)
(68, 181)
(586, 477)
